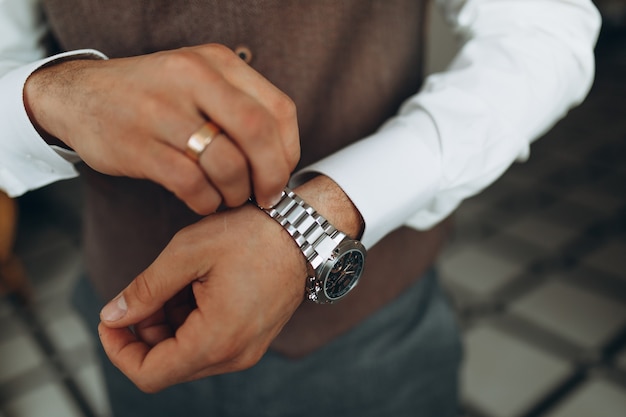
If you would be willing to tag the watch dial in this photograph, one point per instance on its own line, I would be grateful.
(344, 274)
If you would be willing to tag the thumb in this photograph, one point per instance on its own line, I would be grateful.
(148, 292)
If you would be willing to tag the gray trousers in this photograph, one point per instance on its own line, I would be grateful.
(401, 361)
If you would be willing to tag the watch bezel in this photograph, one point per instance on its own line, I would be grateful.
(323, 272)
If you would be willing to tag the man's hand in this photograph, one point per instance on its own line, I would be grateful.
(211, 303)
(133, 116)
(217, 296)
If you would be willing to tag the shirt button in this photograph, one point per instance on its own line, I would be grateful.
(244, 53)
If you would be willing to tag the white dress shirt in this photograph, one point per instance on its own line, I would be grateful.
(522, 65)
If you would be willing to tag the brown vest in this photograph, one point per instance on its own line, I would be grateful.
(347, 64)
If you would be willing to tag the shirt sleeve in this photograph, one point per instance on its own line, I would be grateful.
(521, 66)
(26, 160)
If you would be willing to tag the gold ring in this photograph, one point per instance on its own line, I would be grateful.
(200, 139)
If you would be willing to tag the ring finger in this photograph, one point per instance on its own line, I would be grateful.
(227, 169)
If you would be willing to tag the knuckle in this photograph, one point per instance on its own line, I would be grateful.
(293, 153)
(250, 358)
(187, 183)
(191, 63)
(229, 352)
(220, 50)
(258, 123)
(285, 110)
(143, 289)
(283, 107)
(233, 168)
(146, 386)
(276, 182)
(222, 55)
(183, 59)
(236, 199)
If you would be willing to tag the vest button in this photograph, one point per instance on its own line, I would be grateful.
(244, 53)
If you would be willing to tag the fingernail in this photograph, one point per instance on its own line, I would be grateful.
(115, 310)
(275, 200)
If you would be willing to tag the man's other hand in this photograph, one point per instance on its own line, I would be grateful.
(133, 117)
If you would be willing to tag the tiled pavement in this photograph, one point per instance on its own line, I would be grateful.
(536, 270)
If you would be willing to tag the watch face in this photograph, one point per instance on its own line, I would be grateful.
(344, 274)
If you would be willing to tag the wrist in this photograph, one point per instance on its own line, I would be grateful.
(335, 259)
(36, 98)
(330, 201)
(47, 98)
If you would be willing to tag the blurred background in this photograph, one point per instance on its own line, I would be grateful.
(536, 271)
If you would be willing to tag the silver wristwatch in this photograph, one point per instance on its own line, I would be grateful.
(336, 259)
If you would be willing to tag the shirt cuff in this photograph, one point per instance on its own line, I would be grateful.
(389, 175)
(27, 161)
